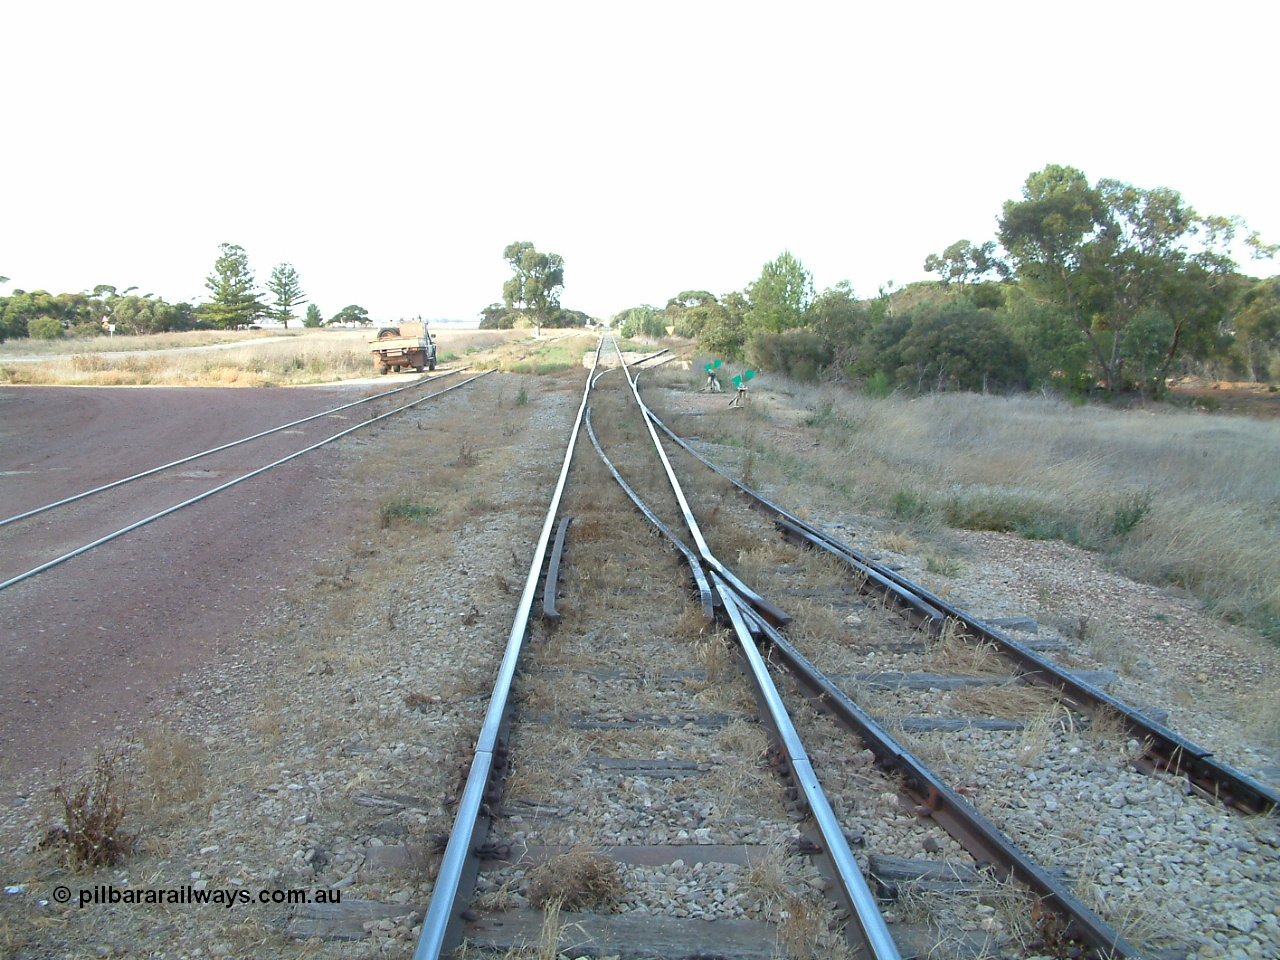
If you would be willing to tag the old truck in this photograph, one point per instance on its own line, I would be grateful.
(402, 347)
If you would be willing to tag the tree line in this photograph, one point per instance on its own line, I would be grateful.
(234, 301)
(1090, 288)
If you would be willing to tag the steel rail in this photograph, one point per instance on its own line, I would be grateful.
(225, 446)
(853, 885)
(1167, 750)
(230, 483)
(934, 799)
(633, 363)
(932, 796)
(442, 926)
(691, 558)
(854, 892)
(776, 616)
(976, 834)
(551, 585)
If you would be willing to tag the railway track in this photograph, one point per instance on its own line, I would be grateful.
(637, 768)
(67, 526)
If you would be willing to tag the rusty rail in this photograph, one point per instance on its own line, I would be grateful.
(1166, 750)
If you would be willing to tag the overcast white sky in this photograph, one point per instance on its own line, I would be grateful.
(390, 151)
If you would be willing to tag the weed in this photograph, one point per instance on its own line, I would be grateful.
(467, 458)
(94, 834)
(522, 397)
(908, 505)
(404, 506)
(1129, 513)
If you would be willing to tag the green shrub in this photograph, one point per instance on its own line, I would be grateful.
(44, 328)
(799, 353)
(878, 385)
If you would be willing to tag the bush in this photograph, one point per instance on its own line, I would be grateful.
(799, 353)
(94, 812)
(963, 348)
(44, 328)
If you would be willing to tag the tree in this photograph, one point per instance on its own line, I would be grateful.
(44, 328)
(313, 317)
(235, 302)
(287, 289)
(498, 316)
(641, 321)
(840, 319)
(352, 313)
(1109, 253)
(539, 277)
(781, 296)
(1257, 326)
(964, 263)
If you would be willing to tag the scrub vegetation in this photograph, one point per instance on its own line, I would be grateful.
(1170, 497)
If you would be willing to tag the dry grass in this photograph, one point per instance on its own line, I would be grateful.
(313, 356)
(175, 766)
(897, 543)
(953, 652)
(576, 880)
(1006, 701)
(68, 346)
(1175, 498)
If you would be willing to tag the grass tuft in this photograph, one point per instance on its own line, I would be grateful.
(575, 880)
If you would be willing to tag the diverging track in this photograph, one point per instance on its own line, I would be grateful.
(645, 774)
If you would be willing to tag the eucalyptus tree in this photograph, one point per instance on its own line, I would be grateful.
(1111, 253)
(539, 278)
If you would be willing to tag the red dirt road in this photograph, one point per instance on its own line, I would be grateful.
(99, 640)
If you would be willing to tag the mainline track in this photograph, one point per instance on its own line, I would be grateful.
(1066, 924)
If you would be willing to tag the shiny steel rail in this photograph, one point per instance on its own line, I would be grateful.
(230, 483)
(773, 614)
(705, 596)
(1166, 750)
(226, 446)
(935, 800)
(442, 926)
(1072, 920)
(932, 797)
(738, 603)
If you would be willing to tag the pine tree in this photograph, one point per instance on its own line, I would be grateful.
(287, 289)
(235, 302)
